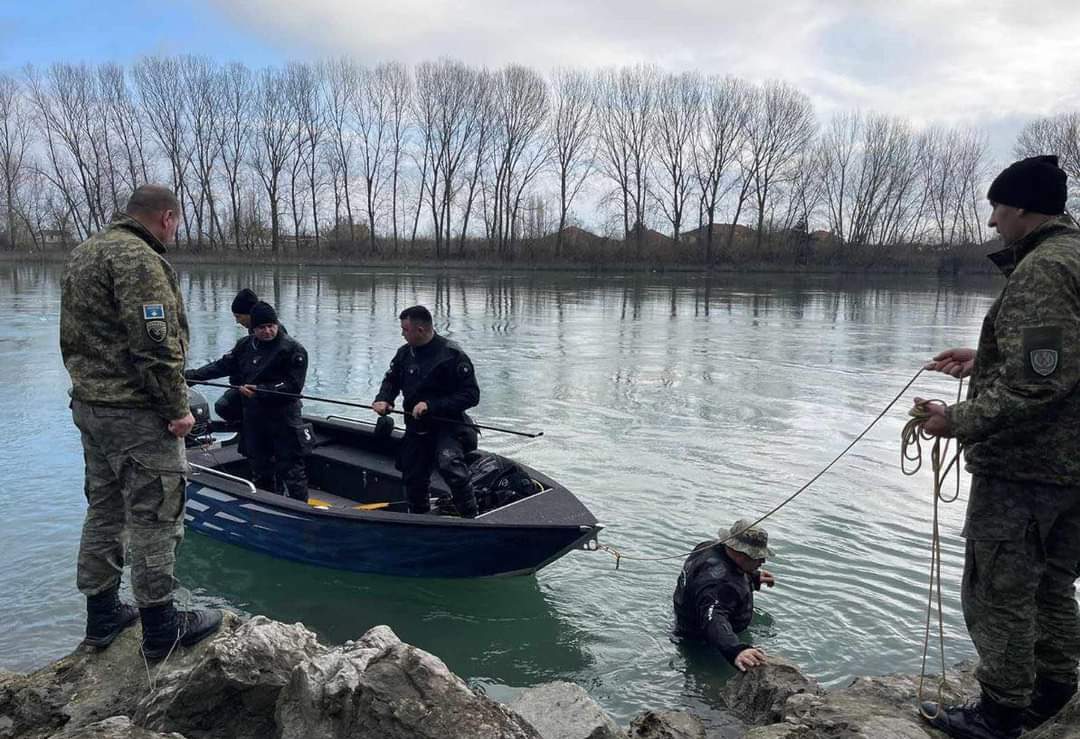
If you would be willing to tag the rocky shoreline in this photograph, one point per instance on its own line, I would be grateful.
(261, 678)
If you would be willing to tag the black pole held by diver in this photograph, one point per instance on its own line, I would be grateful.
(361, 405)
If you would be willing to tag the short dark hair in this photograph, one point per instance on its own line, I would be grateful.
(417, 314)
(151, 199)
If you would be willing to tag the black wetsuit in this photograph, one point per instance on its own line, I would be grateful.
(714, 599)
(229, 407)
(440, 374)
(274, 438)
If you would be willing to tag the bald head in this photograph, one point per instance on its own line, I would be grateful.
(157, 208)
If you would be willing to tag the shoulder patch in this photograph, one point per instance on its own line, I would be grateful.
(152, 311)
(1042, 350)
(157, 330)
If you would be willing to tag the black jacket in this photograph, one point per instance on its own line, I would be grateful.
(226, 365)
(279, 365)
(714, 599)
(438, 373)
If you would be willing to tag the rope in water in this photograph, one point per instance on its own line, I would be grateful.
(911, 439)
(619, 556)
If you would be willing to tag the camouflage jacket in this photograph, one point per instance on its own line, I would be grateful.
(123, 330)
(1021, 419)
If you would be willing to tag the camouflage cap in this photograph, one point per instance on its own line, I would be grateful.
(753, 541)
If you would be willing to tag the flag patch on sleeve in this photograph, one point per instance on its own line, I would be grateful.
(153, 311)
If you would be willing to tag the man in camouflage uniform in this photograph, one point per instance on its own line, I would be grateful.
(123, 336)
(1020, 426)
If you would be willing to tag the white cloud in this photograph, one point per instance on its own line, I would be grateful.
(960, 61)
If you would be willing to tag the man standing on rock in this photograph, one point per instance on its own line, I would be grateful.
(714, 598)
(123, 337)
(1020, 427)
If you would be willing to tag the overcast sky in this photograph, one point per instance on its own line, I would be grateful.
(987, 63)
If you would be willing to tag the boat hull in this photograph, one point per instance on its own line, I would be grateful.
(425, 547)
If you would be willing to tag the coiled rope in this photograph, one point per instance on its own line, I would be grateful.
(911, 460)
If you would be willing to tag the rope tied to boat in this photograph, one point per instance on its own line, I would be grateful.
(911, 460)
(619, 556)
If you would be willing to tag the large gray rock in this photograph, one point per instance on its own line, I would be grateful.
(1066, 725)
(88, 686)
(381, 688)
(667, 725)
(562, 710)
(758, 695)
(868, 708)
(117, 727)
(233, 687)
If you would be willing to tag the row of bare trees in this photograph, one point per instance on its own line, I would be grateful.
(377, 158)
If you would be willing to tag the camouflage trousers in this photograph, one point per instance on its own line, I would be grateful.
(135, 492)
(1018, 594)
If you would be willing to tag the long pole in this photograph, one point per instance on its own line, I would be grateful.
(362, 405)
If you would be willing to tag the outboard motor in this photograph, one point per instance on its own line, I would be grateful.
(200, 409)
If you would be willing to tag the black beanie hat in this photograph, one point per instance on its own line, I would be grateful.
(262, 313)
(241, 304)
(1036, 184)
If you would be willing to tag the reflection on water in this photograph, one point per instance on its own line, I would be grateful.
(523, 638)
(672, 405)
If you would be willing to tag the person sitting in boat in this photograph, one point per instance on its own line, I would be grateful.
(229, 407)
(438, 384)
(269, 367)
(714, 598)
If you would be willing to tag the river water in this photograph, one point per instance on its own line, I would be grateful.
(671, 405)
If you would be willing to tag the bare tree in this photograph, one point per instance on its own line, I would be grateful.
(311, 119)
(626, 108)
(233, 136)
(126, 120)
(14, 148)
(447, 124)
(836, 153)
(520, 106)
(161, 87)
(374, 134)
(273, 141)
(572, 140)
(399, 90)
(66, 103)
(780, 128)
(679, 104)
(203, 120)
(339, 100)
(481, 154)
(717, 146)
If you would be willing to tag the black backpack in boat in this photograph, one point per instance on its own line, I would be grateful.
(497, 480)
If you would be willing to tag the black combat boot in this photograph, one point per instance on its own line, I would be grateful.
(165, 628)
(980, 719)
(418, 499)
(106, 617)
(1047, 699)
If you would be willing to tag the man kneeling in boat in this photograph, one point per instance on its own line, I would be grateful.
(714, 598)
(269, 366)
(436, 378)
